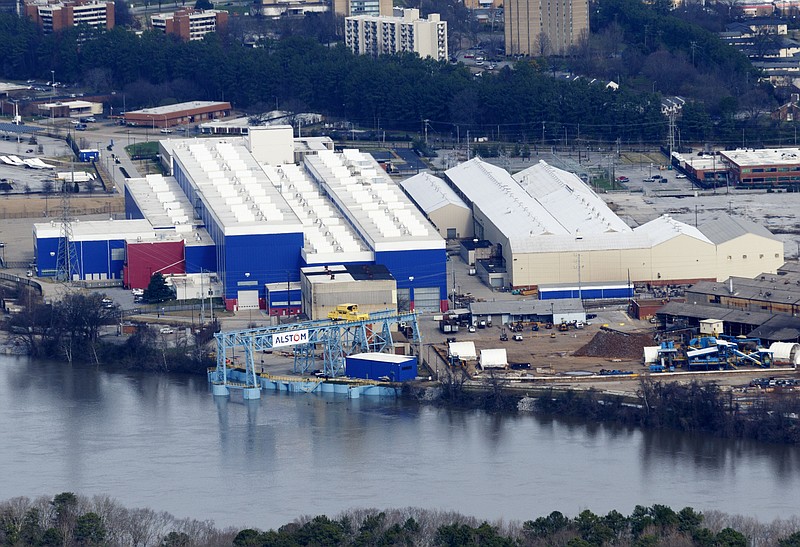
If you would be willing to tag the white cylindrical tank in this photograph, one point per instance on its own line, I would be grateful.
(651, 354)
(785, 352)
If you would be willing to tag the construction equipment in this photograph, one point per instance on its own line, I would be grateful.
(563, 326)
(347, 312)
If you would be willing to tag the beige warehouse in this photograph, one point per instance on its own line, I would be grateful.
(448, 212)
(371, 286)
(553, 228)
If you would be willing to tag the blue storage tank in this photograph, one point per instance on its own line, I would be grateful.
(381, 366)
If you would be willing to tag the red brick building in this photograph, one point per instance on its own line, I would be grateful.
(56, 15)
(178, 114)
(190, 23)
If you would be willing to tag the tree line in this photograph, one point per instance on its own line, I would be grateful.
(299, 74)
(693, 407)
(648, 48)
(70, 330)
(69, 520)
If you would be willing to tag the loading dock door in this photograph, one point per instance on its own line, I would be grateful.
(427, 299)
(247, 300)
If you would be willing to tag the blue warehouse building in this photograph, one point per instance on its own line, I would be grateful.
(392, 227)
(255, 210)
(98, 247)
(269, 215)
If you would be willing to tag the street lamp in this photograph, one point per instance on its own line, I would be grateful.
(249, 307)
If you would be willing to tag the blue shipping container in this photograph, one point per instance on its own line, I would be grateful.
(381, 366)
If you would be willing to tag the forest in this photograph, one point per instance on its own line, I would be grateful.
(73, 520)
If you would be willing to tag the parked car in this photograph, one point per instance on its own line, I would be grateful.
(471, 328)
(518, 338)
(623, 179)
(680, 176)
(166, 131)
(166, 330)
(649, 179)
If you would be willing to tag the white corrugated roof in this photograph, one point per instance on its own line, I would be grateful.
(548, 202)
(379, 211)
(551, 210)
(234, 187)
(569, 199)
(101, 230)
(727, 227)
(665, 227)
(431, 193)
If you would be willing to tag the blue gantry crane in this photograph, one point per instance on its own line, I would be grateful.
(312, 341)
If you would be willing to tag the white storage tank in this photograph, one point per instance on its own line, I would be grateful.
(785, 352)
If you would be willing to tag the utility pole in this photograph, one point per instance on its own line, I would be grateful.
(66, 261)
(202, 300)
(671, 133)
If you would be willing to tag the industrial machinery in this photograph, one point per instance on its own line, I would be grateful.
(347, 312)
(711, 353)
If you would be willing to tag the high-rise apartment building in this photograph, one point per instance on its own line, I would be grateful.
(190, 23)
(56, 15)
(544, 27)
(350, 8)
(404, 32)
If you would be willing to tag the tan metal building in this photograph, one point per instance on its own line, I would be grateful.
(550, 227)
(441, 205)
(371, 286)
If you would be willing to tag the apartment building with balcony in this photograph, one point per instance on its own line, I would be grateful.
(350, 8)
(405, 31)
(189, 23)
(56, 15)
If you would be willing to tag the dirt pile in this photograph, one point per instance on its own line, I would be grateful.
(614, 344)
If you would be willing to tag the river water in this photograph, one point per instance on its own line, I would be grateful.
(164, 442)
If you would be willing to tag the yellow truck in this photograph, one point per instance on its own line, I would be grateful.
(347, 312)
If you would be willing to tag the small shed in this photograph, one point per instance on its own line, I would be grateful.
(381, 366)
(711, 327)
(493, 358)
(463, 350)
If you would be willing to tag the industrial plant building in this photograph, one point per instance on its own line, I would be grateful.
(405, 32)
(763, 306)
(549, 227)
(243, 208)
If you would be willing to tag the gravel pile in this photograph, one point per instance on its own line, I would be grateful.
(613, 344)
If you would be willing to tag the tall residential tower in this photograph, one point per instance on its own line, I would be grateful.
(544, 27)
